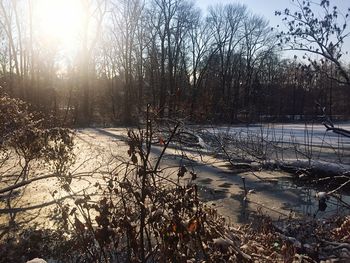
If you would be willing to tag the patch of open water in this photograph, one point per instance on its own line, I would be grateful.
(315, 202)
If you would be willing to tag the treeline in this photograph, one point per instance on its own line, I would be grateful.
(222, 66)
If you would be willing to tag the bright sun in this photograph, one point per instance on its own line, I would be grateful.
(60, 21)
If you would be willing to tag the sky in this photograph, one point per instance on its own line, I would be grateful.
(267, 8)
(264, 8)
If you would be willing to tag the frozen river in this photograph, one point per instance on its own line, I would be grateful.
(100, 150)
(315, 134)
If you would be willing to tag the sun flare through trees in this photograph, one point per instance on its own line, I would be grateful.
(59, 22)
(102, 61)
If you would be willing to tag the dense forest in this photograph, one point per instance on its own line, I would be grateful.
(223, 65)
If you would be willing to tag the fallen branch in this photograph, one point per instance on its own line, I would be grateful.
(339, 131)
(26, 182)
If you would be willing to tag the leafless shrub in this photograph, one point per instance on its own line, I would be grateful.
(34, 141)
(146, 215)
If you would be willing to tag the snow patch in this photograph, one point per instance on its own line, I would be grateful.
(37, 260)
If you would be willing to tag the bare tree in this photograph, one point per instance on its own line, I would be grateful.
(126, 16)
(258, 43)
(227, 29)
(94, 13)
(6, 23)
(200, 52)
(319, 29)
